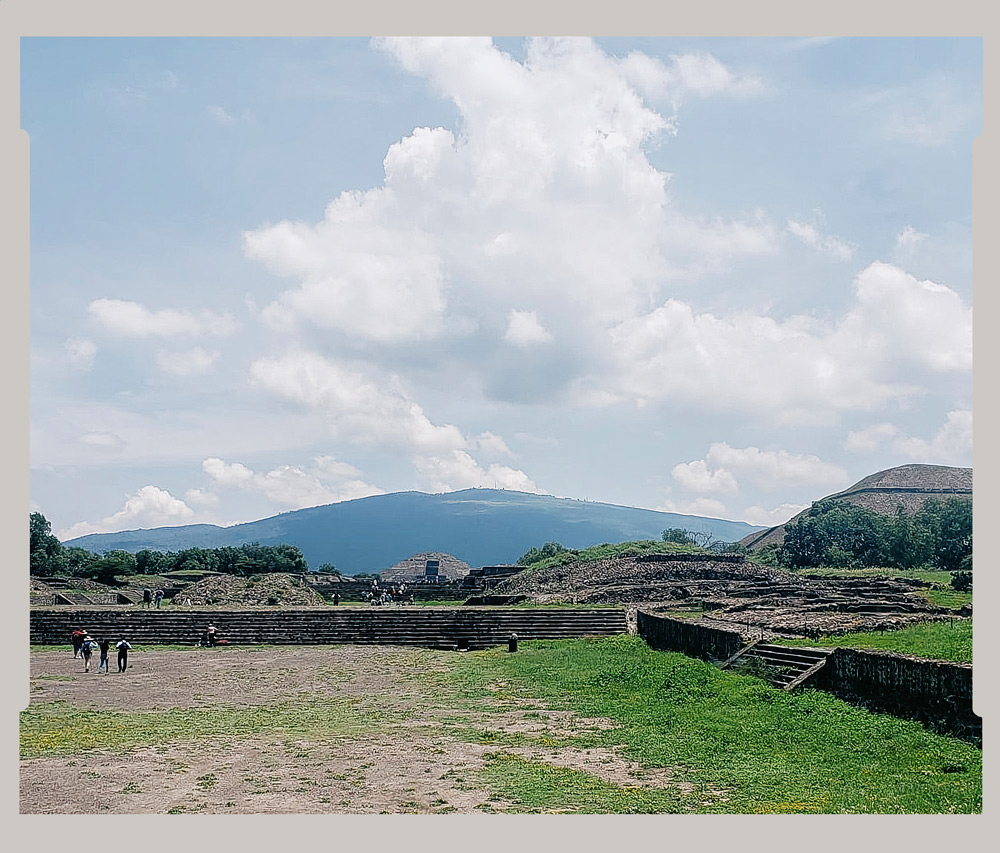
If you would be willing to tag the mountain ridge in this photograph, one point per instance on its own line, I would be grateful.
(478, 526)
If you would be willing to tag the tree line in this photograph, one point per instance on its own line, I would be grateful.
(844, 535)
(50, 557)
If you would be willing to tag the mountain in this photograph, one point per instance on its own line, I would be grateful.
(479, 526)
(909, 486)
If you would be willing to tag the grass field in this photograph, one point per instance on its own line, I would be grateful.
(587, 726)
(949, 640)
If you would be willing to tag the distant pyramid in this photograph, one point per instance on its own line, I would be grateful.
(909, 486)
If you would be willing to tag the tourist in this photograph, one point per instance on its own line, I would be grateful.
(87, 649)
(159, 598)
(77, 639)
(103, 645)
(147, 597)
(123, 649)
(210, 633)
(336, 598)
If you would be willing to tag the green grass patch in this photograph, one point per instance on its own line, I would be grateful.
(765, 750)
(608, 551)
(57, 728)
(534, 786)
(949, 640)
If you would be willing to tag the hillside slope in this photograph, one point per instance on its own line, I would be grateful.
(478, 526)
(909, 486)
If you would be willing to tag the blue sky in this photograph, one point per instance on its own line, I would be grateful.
(718, 276)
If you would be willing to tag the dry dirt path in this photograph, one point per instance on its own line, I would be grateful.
(398, 742)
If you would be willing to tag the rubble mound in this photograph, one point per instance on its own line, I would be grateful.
(733, 593)
(255, 591)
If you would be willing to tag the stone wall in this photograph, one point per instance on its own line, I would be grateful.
(938, 693)
(679, 635)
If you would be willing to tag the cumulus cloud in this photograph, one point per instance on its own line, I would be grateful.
(696, 477)
(292, 486)
(951, 445)
(825, 244)
(524, 329)
(80, 353)
(133, 320)
(192, 362)
(458, 470)
(771, 517)
(699, 506)
(492, 444)
(355, 406)
(908, 239)
(543, 194)
(898, 330)
(723, 467)
(148, 507)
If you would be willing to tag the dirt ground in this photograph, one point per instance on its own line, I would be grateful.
(411, 761)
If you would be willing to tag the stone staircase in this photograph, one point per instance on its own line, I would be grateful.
(438, 627)
(786, 667)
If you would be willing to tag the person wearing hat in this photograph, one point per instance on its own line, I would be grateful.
(87, 649)
(77, 639)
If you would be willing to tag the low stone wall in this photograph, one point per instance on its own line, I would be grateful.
(938, 693)
(679, 635)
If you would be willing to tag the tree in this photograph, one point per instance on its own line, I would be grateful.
(536, 555)
(45, 550)
(835, 533)
(910, 543)
(678, 535)
(949, 523)
(328, 569)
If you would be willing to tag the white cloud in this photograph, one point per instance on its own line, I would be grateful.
(458, 470)
(775, 468)
(899, 331)
(148, 507)
(696, 477)
(771, 517)
(132, 320)
(823, 243)
(698, 75)
(103, 439)
(193, 362)
(951, 445)
(80, 353)
(543, 195)
(355, 406)
(699, 506)
(487, 442)
(525, 330)
(908, 239)
(200, 497)
(291, 486)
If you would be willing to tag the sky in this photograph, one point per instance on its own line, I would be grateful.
(723, 277)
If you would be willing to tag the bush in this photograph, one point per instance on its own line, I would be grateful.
(961, 581)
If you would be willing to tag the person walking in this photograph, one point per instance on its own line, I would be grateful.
(159, 598)
(77, 639)
(103, 645)
(87, 649)
(210, 634)
(147, 597)
(123, 647)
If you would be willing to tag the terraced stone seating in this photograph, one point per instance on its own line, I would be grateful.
(447, 628)
(783, 666)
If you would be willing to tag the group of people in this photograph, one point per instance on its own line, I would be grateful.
(387, 595)
(84, 646)
(148, 597)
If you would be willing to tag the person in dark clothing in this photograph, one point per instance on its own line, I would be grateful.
(123, 649)
(336, 598)
(103, 645)
(159, 598)
(210, 635)
(77, 639)
(147, 597)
